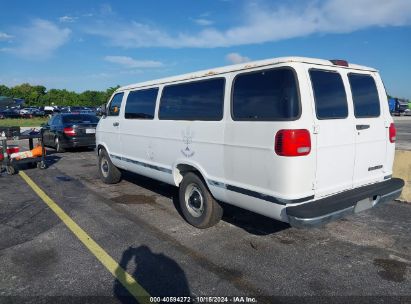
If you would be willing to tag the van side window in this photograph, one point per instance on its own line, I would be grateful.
(364, 95)
(115, 105)
(329, 94)
(267, 95)
(196, 100)
(141, 104)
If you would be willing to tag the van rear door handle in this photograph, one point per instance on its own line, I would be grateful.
(362, 127)
(115, 124)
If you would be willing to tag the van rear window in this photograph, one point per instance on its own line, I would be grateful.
(267, 95)
(365, 95)
(329, 94)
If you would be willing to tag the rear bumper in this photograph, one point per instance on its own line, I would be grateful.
(78, 142)
(352, 201)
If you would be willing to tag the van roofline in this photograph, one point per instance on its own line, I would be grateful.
(239, 67)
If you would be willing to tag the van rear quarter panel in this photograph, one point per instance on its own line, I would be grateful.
(250, 160)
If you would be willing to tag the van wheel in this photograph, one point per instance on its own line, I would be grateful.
(109, 173)
(57, 145)
(197, 204)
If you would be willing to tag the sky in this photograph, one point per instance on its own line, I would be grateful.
(92, 45)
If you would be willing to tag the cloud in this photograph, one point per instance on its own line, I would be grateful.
(236, 58)
(131, 63)
(265, 24)
(5, 36)
(39, 40)
(203, 21)
(68, 19)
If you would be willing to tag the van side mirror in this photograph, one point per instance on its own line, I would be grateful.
(104, 110)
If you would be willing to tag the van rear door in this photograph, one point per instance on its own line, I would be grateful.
(371, 130)
(334, 132)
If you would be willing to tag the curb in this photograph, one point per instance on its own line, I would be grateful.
(402, 169)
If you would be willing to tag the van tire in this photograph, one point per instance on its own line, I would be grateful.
(198, 206)
(109, 173)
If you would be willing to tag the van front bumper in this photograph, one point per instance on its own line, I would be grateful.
(324, 210)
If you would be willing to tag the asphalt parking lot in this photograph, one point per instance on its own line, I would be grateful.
(137, 223)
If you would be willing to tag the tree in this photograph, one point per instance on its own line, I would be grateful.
(39, 96)
(91, 98)
(109, 92)
(4, 91)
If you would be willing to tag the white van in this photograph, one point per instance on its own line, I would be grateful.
(299, 140)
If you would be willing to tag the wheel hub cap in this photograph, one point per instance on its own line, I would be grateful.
(104, 167)
(194, 200)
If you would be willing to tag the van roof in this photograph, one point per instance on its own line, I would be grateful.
(238, 67)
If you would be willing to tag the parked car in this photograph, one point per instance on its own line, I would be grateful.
(10, 113)
(300, 140)
(99, 111)
(27, 112)
(38, 113)
(398, 106)
(61, 109)
(64, 131)
(81, 110)
(48, 110)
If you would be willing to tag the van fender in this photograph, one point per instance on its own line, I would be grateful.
(102, 146)
(184, 165)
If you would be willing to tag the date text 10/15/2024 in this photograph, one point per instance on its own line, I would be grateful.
(203, 299)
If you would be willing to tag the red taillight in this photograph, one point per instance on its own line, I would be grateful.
(293, 142)
(69, 131)
(392, 133)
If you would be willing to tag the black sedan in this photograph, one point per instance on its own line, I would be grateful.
(64, 131)
(9, 113)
